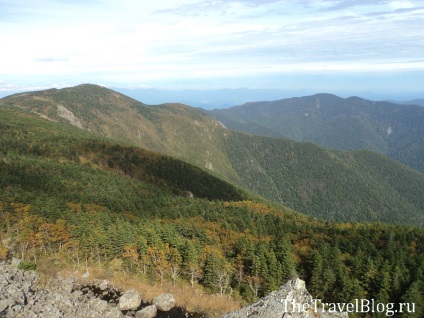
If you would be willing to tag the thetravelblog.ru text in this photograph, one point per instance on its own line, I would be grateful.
(358, 306)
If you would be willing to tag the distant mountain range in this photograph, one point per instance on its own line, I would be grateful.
(339, 123)
(228, 97)
(419, 102)
(224, 98)
(329, 184)
(207, 99)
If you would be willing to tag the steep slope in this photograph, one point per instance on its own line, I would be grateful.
(329, 184)
(172, 129)
(346, 124)
(336, 186)
(62, 158)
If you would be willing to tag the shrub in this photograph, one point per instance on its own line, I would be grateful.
(27, 266)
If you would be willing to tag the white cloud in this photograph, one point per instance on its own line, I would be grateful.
(128, 41)
(401, 4)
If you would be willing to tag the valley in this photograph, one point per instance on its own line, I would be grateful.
(344, 186)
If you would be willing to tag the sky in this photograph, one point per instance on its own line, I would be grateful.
(312, 45)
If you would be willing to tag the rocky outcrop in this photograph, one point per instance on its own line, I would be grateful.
(147, 312)
(22, 295)
(290, 301)
(129, 300)
(68, 115)
(164, 302)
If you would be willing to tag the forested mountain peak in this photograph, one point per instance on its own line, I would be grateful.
(174, 129)
(339, 123)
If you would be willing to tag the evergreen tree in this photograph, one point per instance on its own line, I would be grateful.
(272, 279)
(283, 251)
(213, 263)
(315, 280)
(189, 254)
(413, 301)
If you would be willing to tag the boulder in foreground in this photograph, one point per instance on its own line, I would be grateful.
(292, 300)
(129, 300)
(164, 302)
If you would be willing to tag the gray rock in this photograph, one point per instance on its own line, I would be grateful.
(99, 305)
(77, 294)
(22, 296)
(113, 313)
(15, 262)
(164, 302)
(18, 297)
(17, 308)
(147, 312)
(103, 285)
(290, 301)
(67, 284)
(129, 300)
(4, 303)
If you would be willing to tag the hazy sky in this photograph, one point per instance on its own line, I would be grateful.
(322, 45)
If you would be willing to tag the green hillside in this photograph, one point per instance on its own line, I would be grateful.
(172, 129)
(332, 185)
(72, 199)
(43, 146)
(328, 184)
(345, 124)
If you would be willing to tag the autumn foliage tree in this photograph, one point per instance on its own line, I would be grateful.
(159, 259)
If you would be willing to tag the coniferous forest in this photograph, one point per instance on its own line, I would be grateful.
(341, 186)
(82, 200)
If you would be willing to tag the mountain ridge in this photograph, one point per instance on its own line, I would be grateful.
(134, 122)
(338, 123)
(323, 183)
